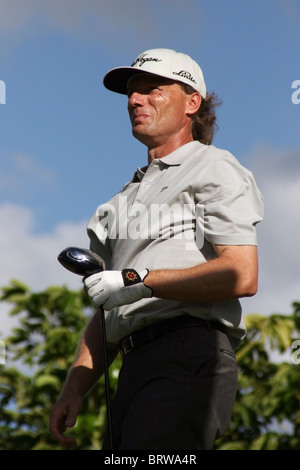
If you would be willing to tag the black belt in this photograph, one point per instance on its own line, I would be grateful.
(157, 330)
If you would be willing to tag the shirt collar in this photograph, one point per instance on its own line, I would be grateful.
(172, 159)
(181, 154)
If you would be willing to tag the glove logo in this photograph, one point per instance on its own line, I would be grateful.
(130, 276)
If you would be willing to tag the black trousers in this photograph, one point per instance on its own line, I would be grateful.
(175, 393)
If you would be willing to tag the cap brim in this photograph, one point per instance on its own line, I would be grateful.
(116, 79)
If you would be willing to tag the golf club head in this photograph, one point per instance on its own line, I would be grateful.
(81, 261)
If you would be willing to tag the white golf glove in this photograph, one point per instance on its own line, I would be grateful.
(115, 288)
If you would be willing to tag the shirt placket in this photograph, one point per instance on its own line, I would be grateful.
(139, 202)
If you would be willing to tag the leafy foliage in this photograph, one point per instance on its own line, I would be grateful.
(44, 344)
(266, 414)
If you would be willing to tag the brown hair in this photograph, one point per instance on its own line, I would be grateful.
(204, 123)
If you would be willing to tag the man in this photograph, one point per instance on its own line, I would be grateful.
(180, 247)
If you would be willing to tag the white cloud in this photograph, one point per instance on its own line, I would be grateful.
(278, 177)
(17, 14)
(134, 22)
(24, 173)
(291, 8)
(90, 18)
(31, 258)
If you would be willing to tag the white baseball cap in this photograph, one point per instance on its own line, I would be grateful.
(165, 63)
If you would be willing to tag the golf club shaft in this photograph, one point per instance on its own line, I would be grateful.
(106, 377)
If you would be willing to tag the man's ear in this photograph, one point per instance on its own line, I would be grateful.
(193, 103)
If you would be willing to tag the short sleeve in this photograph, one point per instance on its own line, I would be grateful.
(231, 203)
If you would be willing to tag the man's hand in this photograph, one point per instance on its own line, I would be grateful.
(115, 288)
(63, 415)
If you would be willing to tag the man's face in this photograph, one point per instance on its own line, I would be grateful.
(157, 109)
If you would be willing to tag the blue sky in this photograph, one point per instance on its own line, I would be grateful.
(66, 144)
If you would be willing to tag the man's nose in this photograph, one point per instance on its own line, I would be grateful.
(136, 99)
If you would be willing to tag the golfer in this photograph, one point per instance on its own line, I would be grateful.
(179, 243)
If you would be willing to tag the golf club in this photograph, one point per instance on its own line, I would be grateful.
(85, 263)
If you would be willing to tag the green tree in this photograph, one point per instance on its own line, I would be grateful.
(43, 347)
(266, 412)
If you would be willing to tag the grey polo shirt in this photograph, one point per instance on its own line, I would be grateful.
(168, 216)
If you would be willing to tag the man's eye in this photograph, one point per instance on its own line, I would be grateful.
(145, 91)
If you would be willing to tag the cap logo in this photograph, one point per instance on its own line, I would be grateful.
(185, 74)
(140, 61)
